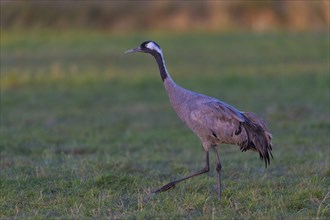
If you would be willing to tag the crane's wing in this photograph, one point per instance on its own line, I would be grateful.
(225, 111)
(232, 126)
(219, 120)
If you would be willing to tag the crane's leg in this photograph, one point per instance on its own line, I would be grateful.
(218, 168)
(172, 184)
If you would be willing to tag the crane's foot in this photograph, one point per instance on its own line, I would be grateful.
(166, 187)
(216, 190)
(219, 193)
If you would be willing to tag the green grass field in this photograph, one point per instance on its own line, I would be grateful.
(87, 131)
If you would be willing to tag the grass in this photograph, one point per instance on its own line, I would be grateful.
(87, 131)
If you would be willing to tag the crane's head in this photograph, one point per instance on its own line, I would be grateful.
(147, 47)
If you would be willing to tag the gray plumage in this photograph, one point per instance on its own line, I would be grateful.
(213, 121)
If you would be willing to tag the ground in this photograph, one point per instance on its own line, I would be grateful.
(87, 131)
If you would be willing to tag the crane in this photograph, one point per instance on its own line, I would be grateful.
(213, 121)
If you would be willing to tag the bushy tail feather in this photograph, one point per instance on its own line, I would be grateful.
(259, 137)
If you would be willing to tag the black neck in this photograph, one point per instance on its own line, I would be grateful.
(161, 65)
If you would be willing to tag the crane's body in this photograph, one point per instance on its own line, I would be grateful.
(201, 114)
(213, 121)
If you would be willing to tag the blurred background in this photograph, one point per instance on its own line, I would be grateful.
(87, 131)
(122, 16)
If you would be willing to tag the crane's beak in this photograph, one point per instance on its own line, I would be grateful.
(138, 49)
